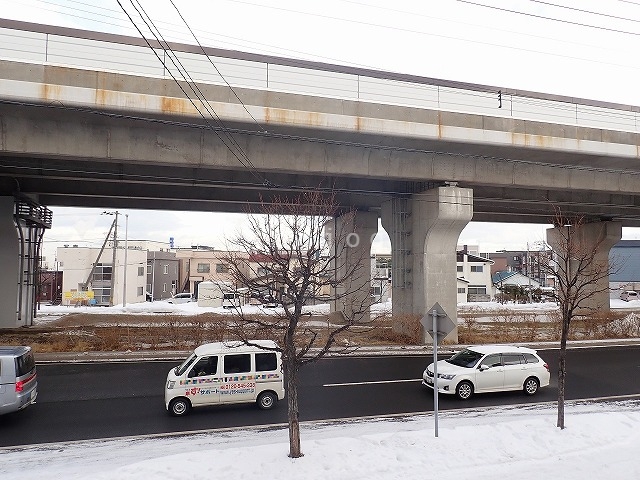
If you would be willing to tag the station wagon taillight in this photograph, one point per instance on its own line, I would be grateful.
(546, 365)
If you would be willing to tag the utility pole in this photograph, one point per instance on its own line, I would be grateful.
(113, 258)
(126, 249)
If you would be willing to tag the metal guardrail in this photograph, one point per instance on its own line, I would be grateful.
(42, 44)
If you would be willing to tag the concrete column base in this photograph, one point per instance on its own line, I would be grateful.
(427, 249)
(599, 237)
(355, 233)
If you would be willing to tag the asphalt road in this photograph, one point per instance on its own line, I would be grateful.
(102, 400)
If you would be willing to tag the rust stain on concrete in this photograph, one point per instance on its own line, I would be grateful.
(50, 92)
(174, 105)
(297, 117)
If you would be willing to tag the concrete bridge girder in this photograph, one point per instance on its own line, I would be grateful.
(122, 154)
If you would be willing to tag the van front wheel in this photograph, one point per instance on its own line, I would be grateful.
(179, 407)
(266, 400)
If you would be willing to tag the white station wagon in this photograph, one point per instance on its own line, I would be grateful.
(489, 368)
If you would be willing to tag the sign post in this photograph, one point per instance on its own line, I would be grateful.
(439, 325)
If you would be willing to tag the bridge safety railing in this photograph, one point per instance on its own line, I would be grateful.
(43, 44)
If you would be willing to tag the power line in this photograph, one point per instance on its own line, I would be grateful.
(214, 66)
(591, 12)
(543, 17)
(245, 163)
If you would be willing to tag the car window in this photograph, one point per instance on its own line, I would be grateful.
(465, 358)
(492, 360)
(204, 366)
(24, 364)
(237, 363)
(183, 367)
(531, 358)
(266, 362)
(512, 358)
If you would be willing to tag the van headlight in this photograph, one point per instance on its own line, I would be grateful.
(446, 376)
(170, 384)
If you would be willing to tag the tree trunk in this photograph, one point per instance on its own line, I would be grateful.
(562, 372)
(291, 374)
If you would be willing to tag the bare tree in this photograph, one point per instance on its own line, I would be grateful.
(293, 263)
(578, 263)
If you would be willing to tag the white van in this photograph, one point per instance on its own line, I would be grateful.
(226, 372)
(231, 300)
(18, 380)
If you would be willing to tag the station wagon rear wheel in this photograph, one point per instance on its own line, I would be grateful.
(179, 407)
(531, 386)
(266, 400)
(464, 390)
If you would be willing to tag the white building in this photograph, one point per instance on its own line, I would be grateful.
(474, 278)
(89, 277)
(380, 278)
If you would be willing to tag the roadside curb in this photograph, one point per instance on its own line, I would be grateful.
(377, 351)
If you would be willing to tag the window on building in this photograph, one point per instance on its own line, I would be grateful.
(476, 268)
(204, 268)
(459, 268)
(221, 268)
(149, 269)
(148, 287)
(164, 287)
(462, 290)
(477, 289)
(140, 271)
(165, 269)
(140, 291)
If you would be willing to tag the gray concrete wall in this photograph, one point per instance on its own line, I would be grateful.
(591, 241)
(434, 222)
(353, 234)
(10, 264)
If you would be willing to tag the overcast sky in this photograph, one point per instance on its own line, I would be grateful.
(583, 49)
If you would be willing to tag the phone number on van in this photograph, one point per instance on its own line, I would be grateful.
(237, 388)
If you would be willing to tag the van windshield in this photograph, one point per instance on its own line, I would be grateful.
(465, 358)
(186, 364)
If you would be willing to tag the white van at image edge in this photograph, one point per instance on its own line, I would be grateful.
(226, 373)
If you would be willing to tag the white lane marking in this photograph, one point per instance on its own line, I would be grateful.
(348, 384)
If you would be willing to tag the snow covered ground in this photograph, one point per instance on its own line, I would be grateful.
(600, 442)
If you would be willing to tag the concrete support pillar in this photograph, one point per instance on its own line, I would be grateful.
(424, 231)
(9, 259)
(353, 234)
(599, 238)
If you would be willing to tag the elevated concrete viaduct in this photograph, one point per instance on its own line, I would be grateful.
(405, 148)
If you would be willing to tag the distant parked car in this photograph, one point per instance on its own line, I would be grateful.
(489, 368)
(629, 295)
(18, 381)
(182, 298)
